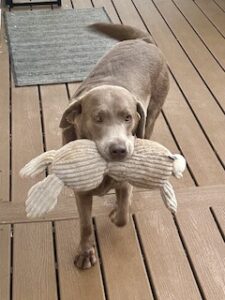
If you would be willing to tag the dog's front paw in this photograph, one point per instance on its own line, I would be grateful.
(119, 219)
(85, 259)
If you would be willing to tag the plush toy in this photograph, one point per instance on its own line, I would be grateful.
(79, 165)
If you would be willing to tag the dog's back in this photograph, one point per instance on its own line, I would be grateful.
(134, 63)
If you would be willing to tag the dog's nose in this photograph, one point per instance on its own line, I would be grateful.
(117, 152)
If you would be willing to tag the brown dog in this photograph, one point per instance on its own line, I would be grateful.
(121, 97)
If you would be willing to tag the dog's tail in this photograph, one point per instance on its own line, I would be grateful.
(38, 164)
(121, 32)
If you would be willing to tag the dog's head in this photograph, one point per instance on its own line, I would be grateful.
(110, 116)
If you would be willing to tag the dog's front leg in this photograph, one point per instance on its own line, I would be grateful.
(85, 257)
(120, 214)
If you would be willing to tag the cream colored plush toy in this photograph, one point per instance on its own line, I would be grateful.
(79, 165)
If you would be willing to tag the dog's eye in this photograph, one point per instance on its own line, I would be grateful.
(128, 118)
(98, 119)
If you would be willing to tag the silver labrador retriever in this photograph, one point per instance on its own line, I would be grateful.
(121, 97)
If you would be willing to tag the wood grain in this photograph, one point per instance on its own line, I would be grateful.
(214, 41)
(219, 213)
(212, 73)
(75, 283)
(213, 12)
(107, 4)
(194, 144)
(220, 3)
(206, 249)
(172, 277)
(124, 270)
(198, 95)
(207, 196)
(33, 272)
(5, 233)
(5, 255)
(5, 119)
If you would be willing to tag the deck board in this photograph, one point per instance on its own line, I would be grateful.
(214, 13)
(75, 284)
(107, 4)
(206, 196)
(155, 256)
(5, 261)
(5, 234)
(220, 4)
(124, 270)
(208, 33)
(172, 278)
(196, 150)
(191, 84)
(211, 72)
(206, 249)
(31, 267)
(219, 212)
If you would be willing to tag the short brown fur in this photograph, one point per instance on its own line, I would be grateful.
(122, 97)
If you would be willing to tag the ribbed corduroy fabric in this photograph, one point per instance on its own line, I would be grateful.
(79, 165)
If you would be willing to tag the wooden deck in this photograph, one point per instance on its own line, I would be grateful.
(155, 256)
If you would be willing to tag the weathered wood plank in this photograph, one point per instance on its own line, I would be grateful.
(33, 274)
(26, 137)
(220, 3)
(74, 283)
(201, 101)
(4, 164)
(214, 41)
(4, 161)
(107, 4)
(143, 200)
(195, 49)
(82, 3)
(165, 256)
(213, 12)
(192, 141)
(5, 255)
(4, 119)
(206, 249)
(219, 213)
(124, 270)
(54, 101)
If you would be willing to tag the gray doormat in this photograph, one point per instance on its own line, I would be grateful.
(54, 46)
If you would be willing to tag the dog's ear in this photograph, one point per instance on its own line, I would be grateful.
(140, 131)
(70, 113)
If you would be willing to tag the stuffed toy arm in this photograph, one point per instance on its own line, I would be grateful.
(79, 165)
(42, 197)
